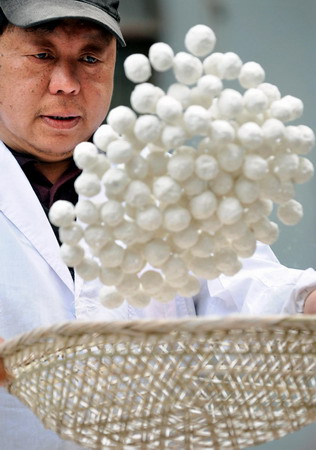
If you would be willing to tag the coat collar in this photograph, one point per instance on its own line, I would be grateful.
(21, 206)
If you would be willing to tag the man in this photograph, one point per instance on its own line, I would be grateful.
(57, 61)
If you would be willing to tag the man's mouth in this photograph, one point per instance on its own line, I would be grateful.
(62, 118)
(61, 122)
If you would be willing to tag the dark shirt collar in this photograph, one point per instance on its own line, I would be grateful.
(47, 191)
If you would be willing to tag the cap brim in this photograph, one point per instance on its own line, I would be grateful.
(29, 13)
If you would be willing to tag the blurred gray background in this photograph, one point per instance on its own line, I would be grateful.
(281, 36)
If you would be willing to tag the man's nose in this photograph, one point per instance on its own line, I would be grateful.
(64, 80)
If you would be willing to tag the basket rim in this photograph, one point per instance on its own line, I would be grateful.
(132, 328)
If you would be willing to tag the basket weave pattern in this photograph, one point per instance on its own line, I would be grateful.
(176, 384)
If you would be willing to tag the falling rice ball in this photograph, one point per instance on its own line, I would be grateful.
(200, 40)
(137, 68)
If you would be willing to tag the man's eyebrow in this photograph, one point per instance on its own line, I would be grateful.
(94, 43)
(99, 45)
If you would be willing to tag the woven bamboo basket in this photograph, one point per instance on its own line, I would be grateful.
(215, 383)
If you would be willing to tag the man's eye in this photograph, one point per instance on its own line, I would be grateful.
(89, 59)
(43, 55)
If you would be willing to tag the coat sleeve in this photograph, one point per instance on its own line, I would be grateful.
(263, 286)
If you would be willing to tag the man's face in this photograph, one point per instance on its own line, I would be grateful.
(55, 87)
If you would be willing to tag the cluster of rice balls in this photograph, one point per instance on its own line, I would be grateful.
(180, 186)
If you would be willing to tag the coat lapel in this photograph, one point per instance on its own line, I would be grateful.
(21, 206)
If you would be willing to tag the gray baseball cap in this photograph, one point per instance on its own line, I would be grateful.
(29, 13)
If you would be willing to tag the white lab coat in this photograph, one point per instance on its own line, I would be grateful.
(36, 289)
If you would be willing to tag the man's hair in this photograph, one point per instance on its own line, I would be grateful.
(3, 22)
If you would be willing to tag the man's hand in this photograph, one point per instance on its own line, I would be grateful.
(3, 374)
(310, 304)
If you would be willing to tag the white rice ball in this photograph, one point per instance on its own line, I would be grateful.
(87, 184)
(186, 238)
(230, 103)
(210, 85)
(250, 135)
(122, 119)
(111, 276)
(115, 181)
(62, 213)
(144, 98)
(72, 255)
(255, 167)
(87, 211)
(71, 234)
(137, 194)
(247, 191)
(245, 245)
(180, 92)
(222, 184)
(273, 131)
(137, 68)
(156, 252)
(147, 128)
(200, 40)
(266, 231)
(151, 282)
(101, 166)
(157, 163)
(137, 167)
(255, 101)
(119, 151)
(290, 213)
(133, 260)
(231, 157)
(203, 205)
(196, 120)
(88, 269)
(167, 190)
(130, 285)
(85, 155)
(304, 172)
(176, 218)
(161, 56)
(212, 63)
(222, 132)
(204, 246)
(206, 167)
(193, 186)
(251, 75)
(173, 136)
(139, 300)
(174, 268)
(227, 262)
(180, 167)
(127, 232)
(111, 255)
(204, 267)
(271, 91)
(229, 66)
(103, 136)
(187, 68)
(110, 298)
(149, 218)
(169, 109)
(112, 213)
(229, 210)
(97, 235)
